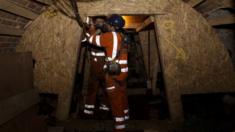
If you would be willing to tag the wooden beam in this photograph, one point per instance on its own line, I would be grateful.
(193, 3)
(15, 105)
(15, 9)
(132, 26)
(228, 3)
(146, 22)
(5, 30)
(46, 2)
(211, 6)
(132, 22)
(7, 45)
(223, 20)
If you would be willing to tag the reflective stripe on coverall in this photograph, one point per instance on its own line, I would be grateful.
(115, 85)
(96, 78)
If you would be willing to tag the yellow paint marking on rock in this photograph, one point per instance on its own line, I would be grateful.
(181, 54)
(50, 13)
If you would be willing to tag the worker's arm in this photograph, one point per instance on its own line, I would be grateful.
(102, 40)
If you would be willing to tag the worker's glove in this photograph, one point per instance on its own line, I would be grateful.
(90, 31)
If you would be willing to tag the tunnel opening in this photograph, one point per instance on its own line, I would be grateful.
(145, 69)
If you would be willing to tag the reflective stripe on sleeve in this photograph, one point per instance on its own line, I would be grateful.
(90, 39)
(122, 62)
(87, 20)
(87, 34)
(93, 53)
(97, 40)
(115, 45)
(97, 54)
(109, 59)
(100, 54)
(84, 40)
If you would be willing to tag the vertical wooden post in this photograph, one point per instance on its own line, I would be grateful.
(173, 95)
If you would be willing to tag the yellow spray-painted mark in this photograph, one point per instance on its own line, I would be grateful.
(181, 54)
(50, 13)
(169, 24)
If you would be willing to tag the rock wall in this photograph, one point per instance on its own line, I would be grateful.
(54, 40)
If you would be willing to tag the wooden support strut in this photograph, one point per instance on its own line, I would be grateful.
(10, 31)
(194, 3)
(147, 22)
(228, 3)
(15, 9)
(223, 20)
(46, 2)
(213, 6)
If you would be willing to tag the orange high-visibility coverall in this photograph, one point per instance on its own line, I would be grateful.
(96, 78)
(115, 85)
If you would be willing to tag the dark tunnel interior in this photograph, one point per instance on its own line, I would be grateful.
(180, 66)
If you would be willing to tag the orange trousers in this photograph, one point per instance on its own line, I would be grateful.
(116, 89)
(95, 85)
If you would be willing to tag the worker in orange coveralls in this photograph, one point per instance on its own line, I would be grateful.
(116, 67)
(97, 75)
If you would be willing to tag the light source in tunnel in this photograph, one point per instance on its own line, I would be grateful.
(133, 22)
(127, 20)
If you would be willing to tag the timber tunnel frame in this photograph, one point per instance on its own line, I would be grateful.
(176, 21)
(151, 67)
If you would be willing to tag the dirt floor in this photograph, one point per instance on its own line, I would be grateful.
(203, 113)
